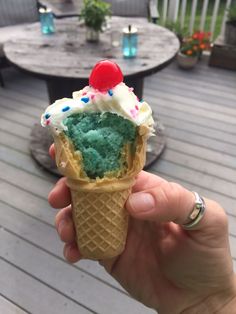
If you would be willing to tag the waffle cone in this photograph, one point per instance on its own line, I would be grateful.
(100, 219)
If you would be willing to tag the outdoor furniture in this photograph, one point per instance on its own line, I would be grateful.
(14, 14)
(128, 8)
(65, 59)
(135, 8)
(223, 55)
(63, 8)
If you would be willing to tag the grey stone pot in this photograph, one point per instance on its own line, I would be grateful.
(186, 62)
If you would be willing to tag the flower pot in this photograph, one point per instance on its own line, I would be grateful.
(230, 33)
(186, 62)
(92, 35)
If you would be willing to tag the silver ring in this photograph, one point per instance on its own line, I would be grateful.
(197, 213)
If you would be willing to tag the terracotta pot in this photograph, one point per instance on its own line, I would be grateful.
(230, 33)
(186, 62)
(92, 35)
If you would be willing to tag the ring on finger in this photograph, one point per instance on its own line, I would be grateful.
(196, 214)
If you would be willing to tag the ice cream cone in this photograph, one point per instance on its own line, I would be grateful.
(100, 219)
(99, 215)
(100, 137)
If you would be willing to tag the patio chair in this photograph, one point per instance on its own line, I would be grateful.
(14, 14)
(135, 8)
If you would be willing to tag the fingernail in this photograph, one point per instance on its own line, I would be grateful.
(66, 251)
(61, 226)
(141, 202)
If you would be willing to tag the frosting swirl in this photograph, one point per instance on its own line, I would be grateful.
(119, 100)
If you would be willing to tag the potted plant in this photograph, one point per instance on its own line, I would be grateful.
(191, 49)
(230, 26)
(94, 13)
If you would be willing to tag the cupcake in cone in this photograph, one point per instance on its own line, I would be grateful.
(100, 140)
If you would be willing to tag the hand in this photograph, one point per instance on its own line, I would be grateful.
(164, 266)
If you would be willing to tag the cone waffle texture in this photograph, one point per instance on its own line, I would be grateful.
(101, 222)
(100, 219)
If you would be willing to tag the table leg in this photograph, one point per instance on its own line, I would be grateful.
(156, 144)
(137, 85)
(59, 88)
(1, 79)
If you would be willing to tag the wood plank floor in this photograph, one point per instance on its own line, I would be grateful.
(198, 110)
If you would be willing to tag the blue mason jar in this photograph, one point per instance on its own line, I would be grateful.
(46, 20)
(130, 42)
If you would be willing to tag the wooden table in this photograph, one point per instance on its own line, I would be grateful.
(64, 60)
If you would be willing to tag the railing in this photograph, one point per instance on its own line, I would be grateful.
(183, 13)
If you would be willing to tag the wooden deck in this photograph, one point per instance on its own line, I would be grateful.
(198, 109)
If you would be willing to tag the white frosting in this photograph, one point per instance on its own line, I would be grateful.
(120, 100)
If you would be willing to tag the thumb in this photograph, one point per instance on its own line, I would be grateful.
(171, 202)
(166, 202)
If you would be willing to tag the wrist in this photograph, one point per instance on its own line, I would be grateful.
(230, 306)
(223, 302)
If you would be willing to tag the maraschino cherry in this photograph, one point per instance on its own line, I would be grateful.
(105, 75)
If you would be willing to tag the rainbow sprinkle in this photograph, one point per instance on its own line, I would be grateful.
(110, 92)
(47, 116)
(133, 113)
(85, 99)
(65, 109)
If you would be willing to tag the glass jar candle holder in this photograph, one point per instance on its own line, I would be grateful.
(46, 21)
(115, 38)
(130, 42)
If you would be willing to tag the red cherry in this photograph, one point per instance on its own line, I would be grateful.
(105, 75)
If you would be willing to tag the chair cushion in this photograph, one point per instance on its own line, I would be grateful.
(14, 12)
(8, 32)
(129, 7)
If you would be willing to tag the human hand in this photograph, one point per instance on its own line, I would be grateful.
(164, 266)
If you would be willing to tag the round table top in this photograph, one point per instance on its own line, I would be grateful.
(67, 54)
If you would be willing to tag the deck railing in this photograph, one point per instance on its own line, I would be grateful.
(180, 11)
